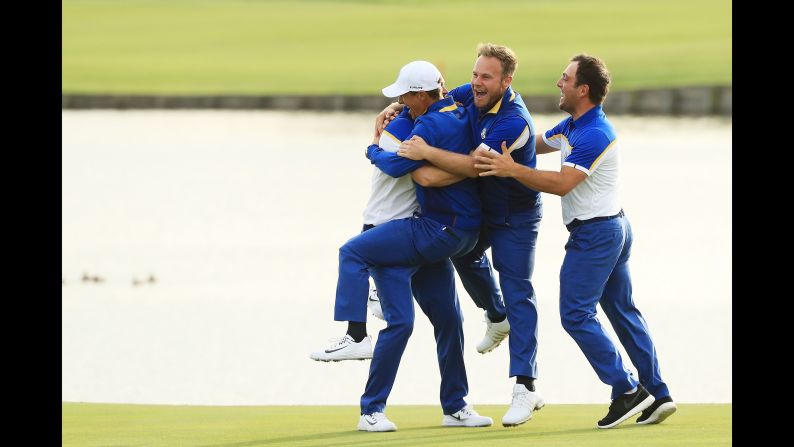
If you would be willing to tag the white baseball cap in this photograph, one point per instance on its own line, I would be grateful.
(416, 76)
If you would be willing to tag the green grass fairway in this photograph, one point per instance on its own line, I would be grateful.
(357, 46)
(555, 425)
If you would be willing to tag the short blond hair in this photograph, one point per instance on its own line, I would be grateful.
(505, 55)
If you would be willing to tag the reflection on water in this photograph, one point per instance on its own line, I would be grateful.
(236, 217)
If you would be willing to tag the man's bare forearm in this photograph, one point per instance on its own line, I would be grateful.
(455, 163)
(434, 177)
(552, 182)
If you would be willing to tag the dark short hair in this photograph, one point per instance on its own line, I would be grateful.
(593, 72)
(433, 94)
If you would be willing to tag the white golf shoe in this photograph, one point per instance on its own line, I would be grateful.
(373, 303)
(345, 348)
(523, 404)
(375, 422)
(494, 334)
(466, 417)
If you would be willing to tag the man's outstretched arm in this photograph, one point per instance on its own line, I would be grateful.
(459, 164)
(502, 165)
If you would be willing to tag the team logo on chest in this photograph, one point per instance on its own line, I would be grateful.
(482, 134)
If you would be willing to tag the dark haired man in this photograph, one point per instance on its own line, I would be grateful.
(595, 269)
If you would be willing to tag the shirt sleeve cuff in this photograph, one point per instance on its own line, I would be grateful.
(576, 166)
(371, 150)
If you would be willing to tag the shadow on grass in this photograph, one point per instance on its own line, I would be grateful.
(420, 436)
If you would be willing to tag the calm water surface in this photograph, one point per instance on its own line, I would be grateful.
(239, 216)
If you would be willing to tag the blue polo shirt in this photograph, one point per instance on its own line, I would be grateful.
(589, 144)
(443, 125)
(508, 120)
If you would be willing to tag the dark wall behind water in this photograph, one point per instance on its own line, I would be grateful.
(696, 101)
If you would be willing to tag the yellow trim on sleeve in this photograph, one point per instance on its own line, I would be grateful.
(602, 153)
(526, 130)
(398, 141)
(558, 136)
(555, 136)
(448, 108)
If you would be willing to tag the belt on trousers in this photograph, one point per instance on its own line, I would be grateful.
(576, 222)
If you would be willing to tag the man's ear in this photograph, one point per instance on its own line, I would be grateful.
(585, 90)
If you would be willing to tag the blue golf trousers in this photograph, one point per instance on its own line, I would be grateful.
(512, 246)
(352, 308)
(395, 253)
(596, 270)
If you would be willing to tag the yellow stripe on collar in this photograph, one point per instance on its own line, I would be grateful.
(498, 105)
